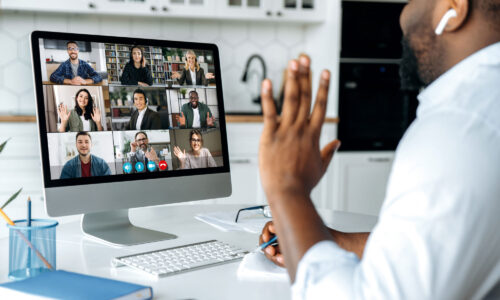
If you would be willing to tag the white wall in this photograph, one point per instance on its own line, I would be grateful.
(276, 42)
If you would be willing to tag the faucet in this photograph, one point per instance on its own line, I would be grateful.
(245, 73)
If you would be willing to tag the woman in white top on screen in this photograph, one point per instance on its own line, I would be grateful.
(198, 157)
(192, 74)
(84, 117)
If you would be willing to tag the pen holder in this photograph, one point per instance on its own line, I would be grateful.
(25, 260)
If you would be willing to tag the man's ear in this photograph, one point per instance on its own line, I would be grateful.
(448, 21)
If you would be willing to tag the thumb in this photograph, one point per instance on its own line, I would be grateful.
(208, 115)
(327, 153)
(182, 114)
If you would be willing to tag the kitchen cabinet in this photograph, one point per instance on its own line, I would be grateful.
(283, 10)
(361, 180)
(187, 8)
(305, 11)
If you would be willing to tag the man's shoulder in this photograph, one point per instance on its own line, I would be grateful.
(65, 63)
(97, 159)
(71, 161)
(83, 63)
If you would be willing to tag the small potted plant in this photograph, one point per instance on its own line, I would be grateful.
(183, 93)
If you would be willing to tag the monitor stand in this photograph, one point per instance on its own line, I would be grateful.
(114, 227)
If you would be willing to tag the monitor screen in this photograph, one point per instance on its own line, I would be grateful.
(117, 109)
(127, 122)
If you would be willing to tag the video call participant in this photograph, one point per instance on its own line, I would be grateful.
(84, 117)
(84, 164)
(143, 118)
(135, 71)
(198, 157)
(195, 114)
(140, 151)
(192, 74)
(75, 71)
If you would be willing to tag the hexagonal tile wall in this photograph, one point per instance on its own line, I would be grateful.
(277, 43)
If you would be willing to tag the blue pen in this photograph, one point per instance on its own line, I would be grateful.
(28, 221)
(264, 245)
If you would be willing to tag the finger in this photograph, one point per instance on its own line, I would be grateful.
(268, 108)
(318, 114)
(291, 101)
(305, 90)
(327, 153)
(208, 115)
(270, 250)
(271, 227)
(279, 260)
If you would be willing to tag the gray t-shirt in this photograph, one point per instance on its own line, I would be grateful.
(205, 160)
(74, 69)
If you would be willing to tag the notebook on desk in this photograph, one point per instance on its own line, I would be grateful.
(68, 285)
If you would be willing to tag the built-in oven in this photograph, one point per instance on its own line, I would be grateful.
(374, 113)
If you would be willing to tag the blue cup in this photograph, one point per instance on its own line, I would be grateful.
(26, 261)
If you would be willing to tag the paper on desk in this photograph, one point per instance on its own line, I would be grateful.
(255, 266)
(225, 221)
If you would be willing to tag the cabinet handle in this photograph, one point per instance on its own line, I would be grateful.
(165, 9)
(240, 161)
(379, 159)
(92, 5)
(153, 8)
(279, 14)
(269, 13)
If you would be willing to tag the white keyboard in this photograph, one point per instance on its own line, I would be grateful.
(171, 261)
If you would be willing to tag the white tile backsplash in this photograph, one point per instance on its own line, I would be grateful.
(276, 42)
(18, 77)
(9, 53)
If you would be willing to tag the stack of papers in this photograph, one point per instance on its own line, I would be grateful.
(225, 221)
(255, 266)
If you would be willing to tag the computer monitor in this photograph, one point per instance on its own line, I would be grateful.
(127, 122)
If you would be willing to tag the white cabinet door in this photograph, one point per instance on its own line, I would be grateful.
(361, 180)
(242, 9)
(81, 6)
(137, 8)
(298, 10)
(187, 8)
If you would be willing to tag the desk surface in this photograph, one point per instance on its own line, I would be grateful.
(78, 253)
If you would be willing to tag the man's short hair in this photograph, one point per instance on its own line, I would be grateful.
(139, 132)
(193, 91)
(140, 91)
(71, 42)
(83, 133)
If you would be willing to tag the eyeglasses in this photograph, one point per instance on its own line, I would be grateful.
(196, 140)
(73, 48)
(265, 209)
(194, 97)
(142, 140)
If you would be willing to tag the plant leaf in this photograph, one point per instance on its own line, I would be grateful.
(3, 145)
(11, 198)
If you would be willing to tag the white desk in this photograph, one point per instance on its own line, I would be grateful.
(78, 253)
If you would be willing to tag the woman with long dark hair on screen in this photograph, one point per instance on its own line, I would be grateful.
(198, 157)
(83, 117)
(135, 71)
(192, 74)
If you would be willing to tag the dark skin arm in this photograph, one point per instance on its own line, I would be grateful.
(352, 242)
(291, 163)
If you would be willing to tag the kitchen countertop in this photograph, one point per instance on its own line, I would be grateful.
(229, 119)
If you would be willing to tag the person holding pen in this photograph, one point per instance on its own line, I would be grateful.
(437, 233)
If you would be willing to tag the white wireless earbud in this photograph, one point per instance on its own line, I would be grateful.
(451, 13)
